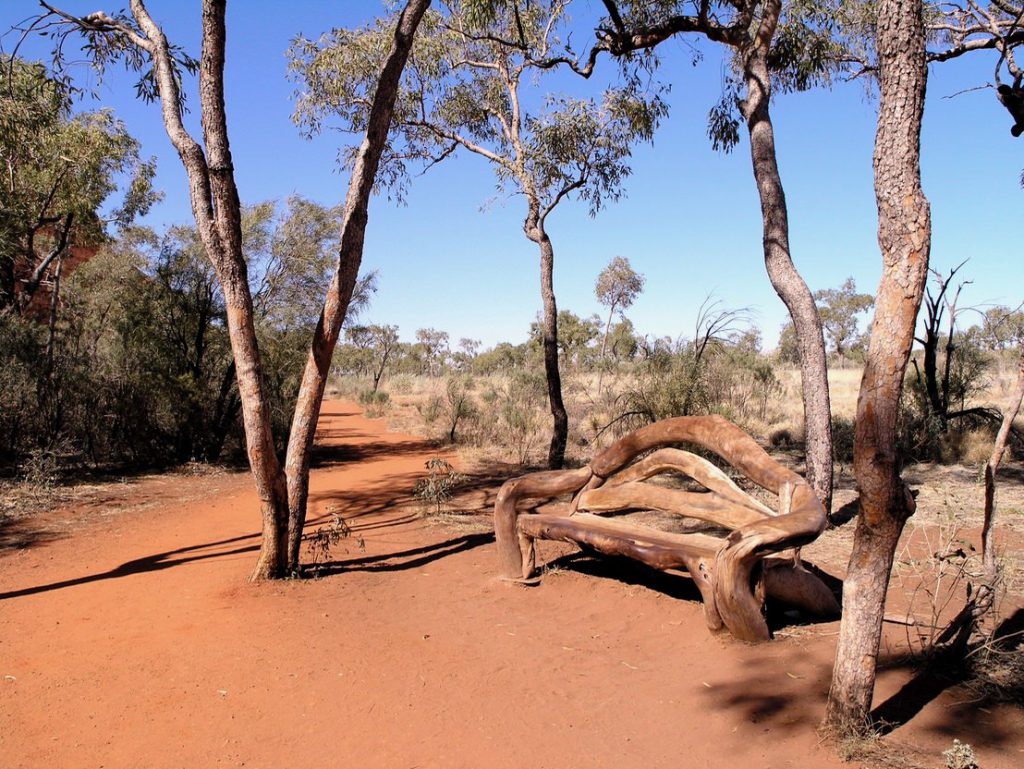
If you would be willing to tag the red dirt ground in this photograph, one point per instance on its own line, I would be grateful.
(134, 640)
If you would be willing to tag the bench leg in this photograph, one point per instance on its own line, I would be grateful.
(528, 553)
(702, 571)
(506, 534)
(734, 585)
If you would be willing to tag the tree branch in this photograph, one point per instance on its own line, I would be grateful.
(568, 189)
(463, 141)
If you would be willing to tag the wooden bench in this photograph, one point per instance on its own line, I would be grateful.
(735, 574)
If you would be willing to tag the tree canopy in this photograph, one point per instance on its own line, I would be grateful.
(61, 171)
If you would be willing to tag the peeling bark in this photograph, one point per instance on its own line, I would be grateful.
(904, 237)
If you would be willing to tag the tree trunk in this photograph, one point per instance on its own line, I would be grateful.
(40, 270)
(867, 580)
(51, 319)
(559, 417)
(259, 439)
(784, 276)
(339, 294)
(604, 350)
(986, 593)
(217, 211)
(931, 372)
(904, 237)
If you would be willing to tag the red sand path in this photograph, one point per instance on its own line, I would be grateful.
(137, 642)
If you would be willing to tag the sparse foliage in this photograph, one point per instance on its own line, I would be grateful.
(436, 489)
(321, 543)
(617, 287)
(60, 172)
(465, 92)
(1002, 328)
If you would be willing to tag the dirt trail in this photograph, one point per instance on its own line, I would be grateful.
(137, 642)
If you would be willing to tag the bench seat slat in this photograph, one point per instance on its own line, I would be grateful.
(623, 538)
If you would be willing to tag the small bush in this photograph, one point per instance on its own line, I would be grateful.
(519, 417)
(322, 541)
(968, 446)
(375, 401)
(458, 405)
(786, 437)
(960, 756)
(842, 439)
(431, 410)
(435, 491)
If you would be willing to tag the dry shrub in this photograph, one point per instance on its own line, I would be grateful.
(401, 384)
(960, 756)
(437, 488)
(786, 436)
(842, 439)
(375, 402)
(932, 570)
(970, 447)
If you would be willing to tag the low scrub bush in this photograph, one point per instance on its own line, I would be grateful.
(842, 439)
(435, 491)
(375, 402)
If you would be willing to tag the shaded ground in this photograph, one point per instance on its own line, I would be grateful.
(129, 637)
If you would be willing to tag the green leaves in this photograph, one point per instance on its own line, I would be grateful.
(618, 285)
(465, 89)
(58, 165)
(724, 121)
(839, 309)
(583, 145)
(806, 51)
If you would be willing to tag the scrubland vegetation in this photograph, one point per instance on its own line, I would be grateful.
(491, 402)
(126, 347)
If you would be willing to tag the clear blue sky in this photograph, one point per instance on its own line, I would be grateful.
(690, 221)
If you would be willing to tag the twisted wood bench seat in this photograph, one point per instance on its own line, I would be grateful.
(734, 574)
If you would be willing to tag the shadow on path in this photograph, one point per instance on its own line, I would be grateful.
(949, 670)
(404, 560)
(156, 562)
(336, 454)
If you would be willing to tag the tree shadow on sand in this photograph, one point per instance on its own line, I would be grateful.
(150, 563)
(973, 696)
(404, 560)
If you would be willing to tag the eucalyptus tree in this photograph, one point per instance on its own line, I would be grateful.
(377, 344)
(890, 41)
(1002, 327)
(434, 346)
(137, 39)
(839, 309)
(617, 287)
(472, 85)
(904, 237)
(770, 49)
(60, 170)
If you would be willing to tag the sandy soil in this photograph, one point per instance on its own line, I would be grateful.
(129, 637)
